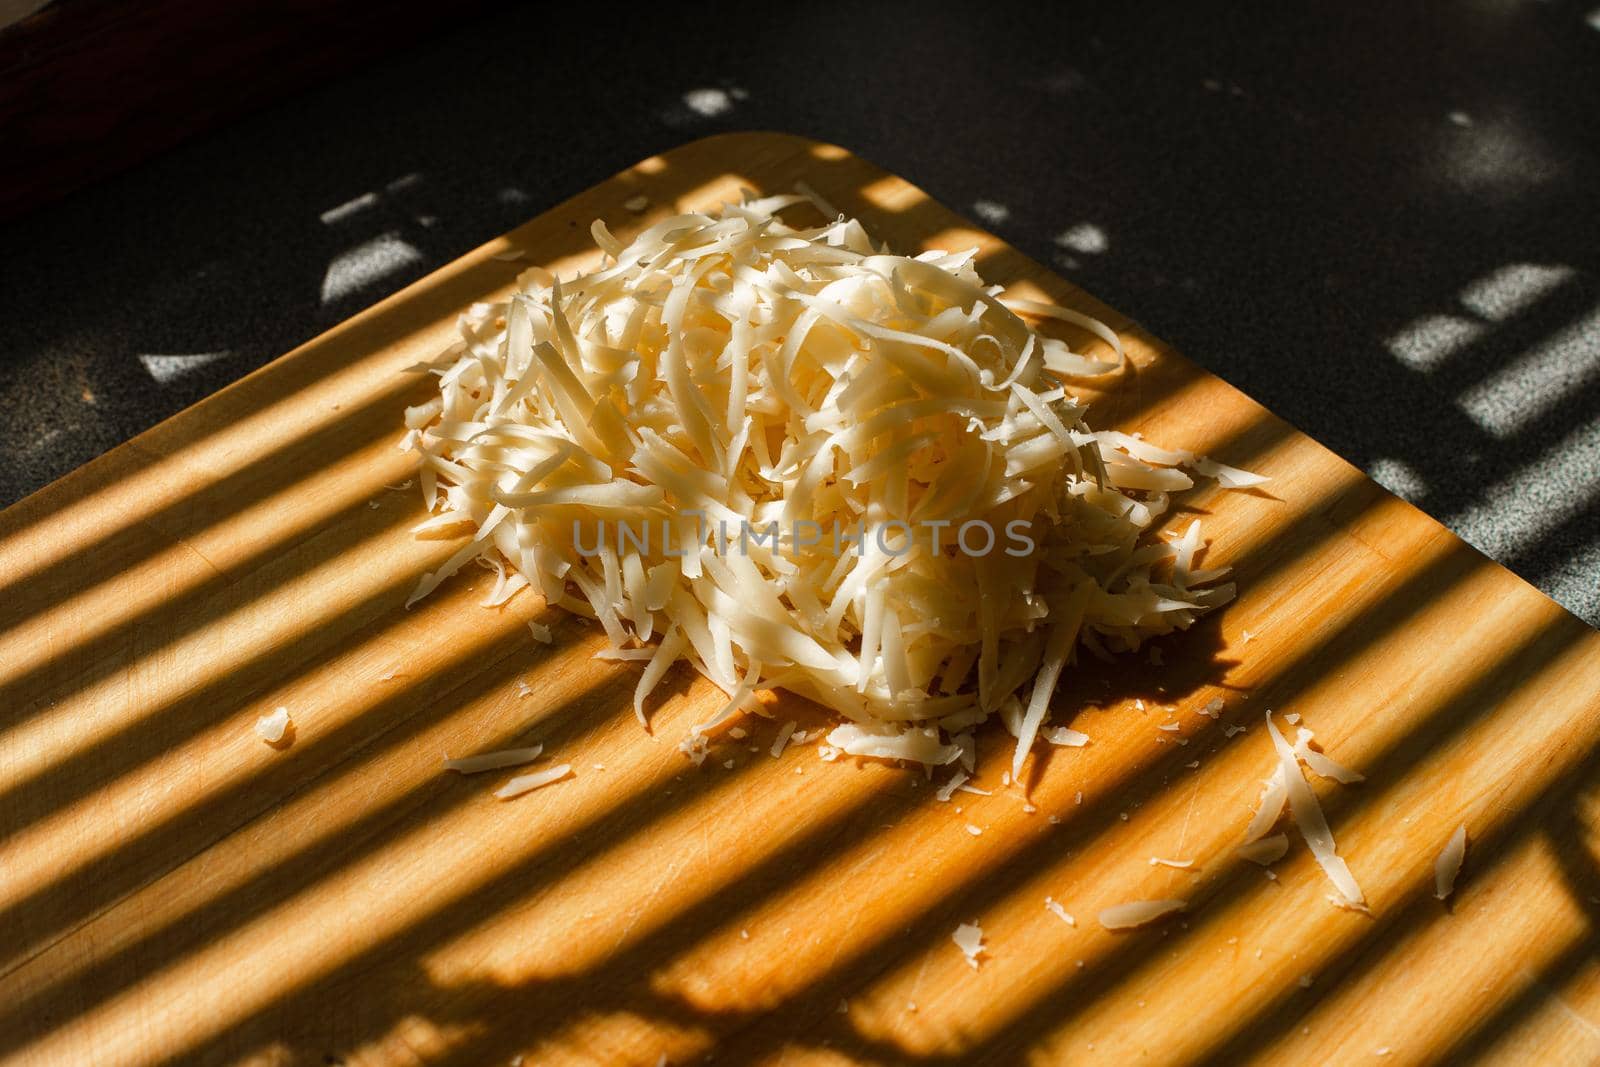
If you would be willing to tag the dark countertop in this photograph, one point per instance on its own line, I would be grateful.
(1383, 224)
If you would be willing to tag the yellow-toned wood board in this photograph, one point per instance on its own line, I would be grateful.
(174, 890)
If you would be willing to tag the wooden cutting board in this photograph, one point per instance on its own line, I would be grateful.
(174, 890)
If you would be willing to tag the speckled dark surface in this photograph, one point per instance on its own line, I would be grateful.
(1383, 224)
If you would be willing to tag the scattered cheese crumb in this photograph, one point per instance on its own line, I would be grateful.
(694, 747)
(946, 791)
(541, 633)
(969, 939)
(1061, 735)
(782, 741)
(636, 204)
(974, 830)
(274, 727)
(1213, 708)
(1055, 908)
(1157, 861)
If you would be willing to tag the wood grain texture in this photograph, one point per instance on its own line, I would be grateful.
(173, 890)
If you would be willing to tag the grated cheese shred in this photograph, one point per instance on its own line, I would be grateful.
(1137, 913)
(1311, 823)
(1448, 865)
(612, 440)
(527, 783)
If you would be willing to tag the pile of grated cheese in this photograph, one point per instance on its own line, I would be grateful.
(726, 374)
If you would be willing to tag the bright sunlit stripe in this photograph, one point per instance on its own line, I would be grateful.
(349, 209)
(41, 854)
(311, 410)
(366, 264)
(254, 628)
(1536, 496)
(1523, 391)
(311, 933)
(1510, 290)
(1502, 916)
(1362, 719)
(166, 369)
(1427, 343)
(217, 760)
(947, 861)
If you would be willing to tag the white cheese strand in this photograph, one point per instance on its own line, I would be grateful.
(493, 761)
(1138, 912)
(1448, 865)
(1313, 826)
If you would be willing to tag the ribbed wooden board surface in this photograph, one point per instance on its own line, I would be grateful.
(173, 890)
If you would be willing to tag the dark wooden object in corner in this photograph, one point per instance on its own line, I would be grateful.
(91, 87)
